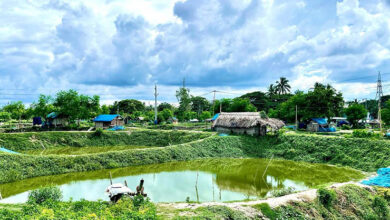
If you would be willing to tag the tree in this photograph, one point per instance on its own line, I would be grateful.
(164, 105)
(44, 106)
(282, 86)
(258, 99)
(165, 114)
(16, 109)
(354, 113)
(67, 103)
(104, 109)
(223, 104)
(5, 116)
(183, 96)
(242, 105)
(89, 106)
(127, 106)
(286, 110)
(205, 115)
(323, 101)
(199, 104)
(272, 91)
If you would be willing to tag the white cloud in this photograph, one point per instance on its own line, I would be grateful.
(126, 46)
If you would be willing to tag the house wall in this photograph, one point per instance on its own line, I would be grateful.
(100, 124)
(254, 131)
(117, 122)
(60, 122)
(313, 127)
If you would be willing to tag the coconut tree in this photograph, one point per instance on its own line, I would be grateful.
(272, 90)
(282, 86)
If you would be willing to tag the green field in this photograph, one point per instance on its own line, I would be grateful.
(81, 150)
(90, 151)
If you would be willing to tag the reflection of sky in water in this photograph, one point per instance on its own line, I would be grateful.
(160, 187)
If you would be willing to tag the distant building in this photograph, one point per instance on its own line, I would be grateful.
(173, 120)
(55, 119)
(249, 123)
(107, 121)
(319, 125)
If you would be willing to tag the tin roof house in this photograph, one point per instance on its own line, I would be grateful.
(107, 121)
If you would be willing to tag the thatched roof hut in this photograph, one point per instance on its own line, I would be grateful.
(241, 122)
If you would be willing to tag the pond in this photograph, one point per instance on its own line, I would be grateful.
(198, 180)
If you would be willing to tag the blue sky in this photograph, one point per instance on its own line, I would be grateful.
(119, 48)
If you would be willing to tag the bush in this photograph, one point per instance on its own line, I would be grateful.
(98, 132)
(380, 207)
(363, 133)
(283, 192)
(266, 210)
(345, 127)
(326, 197)
(42, 195)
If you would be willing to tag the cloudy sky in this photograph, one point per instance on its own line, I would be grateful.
(119, 48)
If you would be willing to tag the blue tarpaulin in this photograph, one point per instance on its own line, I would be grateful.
(105, 118)
(8, 151)
(117, 128)
(320, 121)
(383, 178)
(215, 117)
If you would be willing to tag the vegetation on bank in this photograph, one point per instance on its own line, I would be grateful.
(363, 154)
(45, 204)
(45, 140)
(347, 202)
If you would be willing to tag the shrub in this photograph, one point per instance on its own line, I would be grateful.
(363, 133)
(266, 210)
(345, 127)
(283, 192)
(326, 197)
(98, 132)
(42, 195)
(380, 207)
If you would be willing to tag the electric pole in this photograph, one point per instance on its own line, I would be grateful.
(155, 103)
(296, 117)
(214, 101)
(379, 94)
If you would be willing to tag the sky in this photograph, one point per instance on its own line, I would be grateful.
(119, 49)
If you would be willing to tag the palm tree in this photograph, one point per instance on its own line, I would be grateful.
(282, 86)
(272, 90)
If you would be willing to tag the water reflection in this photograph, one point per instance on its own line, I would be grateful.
(200, 180)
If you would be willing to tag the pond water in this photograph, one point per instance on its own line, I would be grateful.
(199, 180)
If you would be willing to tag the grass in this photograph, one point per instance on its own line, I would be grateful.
(45, 140)
(81, 150)
(350, 202)
(362, 154)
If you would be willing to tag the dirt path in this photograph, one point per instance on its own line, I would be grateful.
(245, 207)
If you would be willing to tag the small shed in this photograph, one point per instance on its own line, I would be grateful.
(250, 123)
(107, 121)
(319, 125)
(173, 120)
(57, 120)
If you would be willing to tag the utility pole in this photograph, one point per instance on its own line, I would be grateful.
(379, 94)
(296, 117)
(214, 101)
(155, 103)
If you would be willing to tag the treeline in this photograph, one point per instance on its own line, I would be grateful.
(320, 101)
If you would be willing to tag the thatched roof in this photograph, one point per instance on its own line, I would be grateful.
(245, 120)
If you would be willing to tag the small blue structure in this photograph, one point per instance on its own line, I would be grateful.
(383, 178)
(106, 121)
(320, 125)
(117, 128)
(37, 121)
(2, 149)
(215, 117)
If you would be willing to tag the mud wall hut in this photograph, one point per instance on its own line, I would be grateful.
(250, 123)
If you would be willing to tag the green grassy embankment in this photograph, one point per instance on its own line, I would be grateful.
(362, 154)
